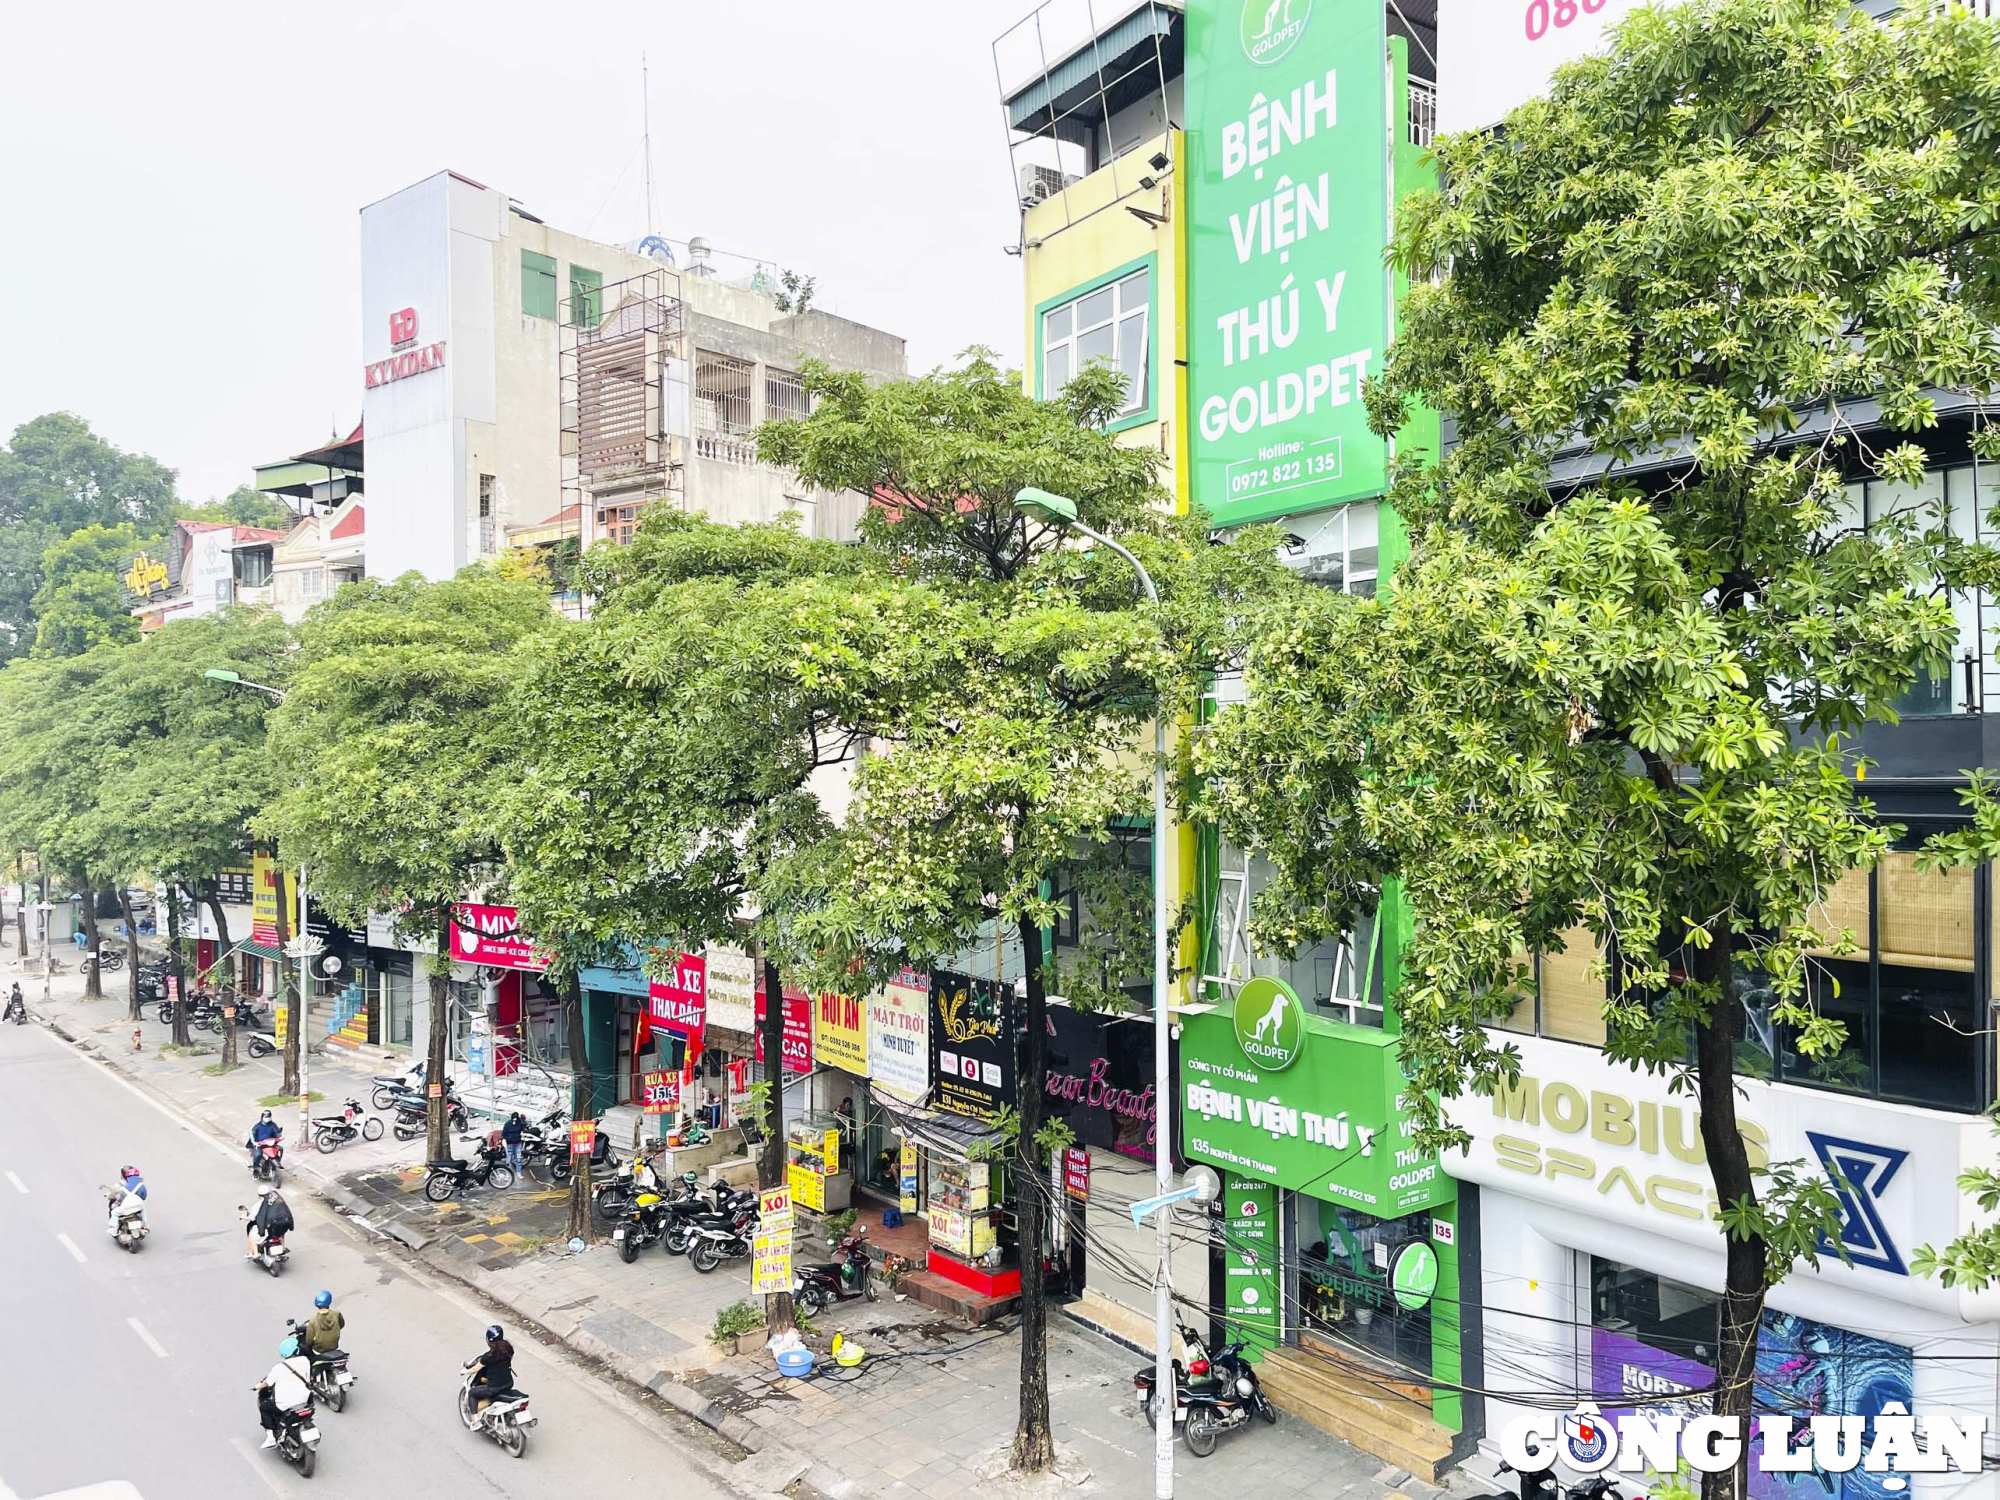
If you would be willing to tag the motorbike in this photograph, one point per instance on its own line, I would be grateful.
(272, 1254)
(545, 1148)
(853, 1275)
(109, 959)
(204, 1013)
(412, 1120)
(645, 1222)
(262, 1045)
(392, 1088)
(330, 1375)
(17, 1011)
(298, 1439)
(1227, 1400)
(269, 1165)
(129, 1227)
(506, 1420)
(693, 1209)
(715, 1243)
(448, 1181)
(611, 1196)
(331, 1132)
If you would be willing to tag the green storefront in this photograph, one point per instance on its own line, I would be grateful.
(1338, 1233)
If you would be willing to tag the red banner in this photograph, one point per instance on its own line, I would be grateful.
(661, 1093)
(582, 1136)
(492, 935)
(679, 1001)
(798, 1044)
(1076, 1172)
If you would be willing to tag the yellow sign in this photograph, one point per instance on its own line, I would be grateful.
(967, 1236)
(774, 1210)
(832, 1152)
(908, 1174)
(808, 1187)
(770, 1262)
(145, 575)
(283, 1014)
(266, 891)
(840, 1034)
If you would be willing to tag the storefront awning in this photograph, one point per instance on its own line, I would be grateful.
(258, 950)
(953, 1136)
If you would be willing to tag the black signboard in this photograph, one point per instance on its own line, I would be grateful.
(973, 1032)
(1100, 1079)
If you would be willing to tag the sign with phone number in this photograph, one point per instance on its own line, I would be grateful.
(1544, 16)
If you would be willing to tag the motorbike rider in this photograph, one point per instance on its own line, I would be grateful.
(323, 1328)
(266, 1129)
(272, 1217)
(128, 1199)
(286, 1386)
(496, 1369)
(15, 1004)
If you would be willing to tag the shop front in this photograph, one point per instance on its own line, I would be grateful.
(974, 1029)
(1596, 1213)
(1338, 1235)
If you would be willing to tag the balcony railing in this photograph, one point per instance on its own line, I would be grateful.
(1424, 110)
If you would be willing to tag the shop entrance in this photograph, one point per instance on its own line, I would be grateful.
(1344, 1289)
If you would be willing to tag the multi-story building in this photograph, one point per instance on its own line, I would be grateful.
(521, 377)
(199, 568)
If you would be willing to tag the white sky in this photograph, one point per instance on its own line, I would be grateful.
(180, 184)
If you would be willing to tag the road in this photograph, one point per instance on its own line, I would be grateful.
(137, 1368)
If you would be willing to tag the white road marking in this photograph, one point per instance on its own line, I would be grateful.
(70, 1245)
(146, 1338)
(260, 1464)
(19, 1186)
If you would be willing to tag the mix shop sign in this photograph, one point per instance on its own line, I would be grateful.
(1580, 1133)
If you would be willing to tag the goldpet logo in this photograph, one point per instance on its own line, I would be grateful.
(1269, 1023)
(1271, 28)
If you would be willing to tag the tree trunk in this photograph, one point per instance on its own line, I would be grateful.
(211, 896)
(1034, 1444)
(287, 996)
(93, 982)
(131, 953)
(179, 969)
(437, 1059)
(582, 1106)
(1729, 1163)
(778, 1313)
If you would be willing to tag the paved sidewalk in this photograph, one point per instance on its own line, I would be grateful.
(920, 1418)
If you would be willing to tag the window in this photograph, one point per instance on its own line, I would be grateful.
(538, 285)
(1565, 1003)
(722, 406)
(784, 397)
(1340, 976)
(586, 297)
(618, 523)
(1107, 323)
(488, 524)
(253, 567)
(312, 582)
(1338, 549)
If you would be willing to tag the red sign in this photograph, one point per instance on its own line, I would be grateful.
(492, 935)
(582, 1136)
(402, 328)
(661, 1093)
(1076, 1172)
(798, 1044)
(679, 1002)
(401, 366)
(739, 1076)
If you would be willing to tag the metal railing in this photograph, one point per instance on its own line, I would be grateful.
(1424, 110)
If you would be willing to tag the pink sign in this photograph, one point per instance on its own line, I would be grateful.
(492, 935)
(679, 1001)
(798, 1043)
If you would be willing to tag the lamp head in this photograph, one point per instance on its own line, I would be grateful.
(217, 674)
(1052, 510)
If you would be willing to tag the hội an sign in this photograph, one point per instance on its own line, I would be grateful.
(408, 360)
(1288, 207)
(1333, 1128)
(840, 1034)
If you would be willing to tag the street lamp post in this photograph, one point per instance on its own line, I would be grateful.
(1058, 510)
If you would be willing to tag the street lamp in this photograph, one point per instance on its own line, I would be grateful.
(1060, 511)
(301, 945)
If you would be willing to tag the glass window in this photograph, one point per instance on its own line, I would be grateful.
(586, 297)
(1572, 1001)
(1111, 323)
(538, 285)
(1947, 496)
(1666, 1315)
(1337, 548)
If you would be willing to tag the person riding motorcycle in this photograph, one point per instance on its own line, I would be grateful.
(16, 1006)
(127, 1199)
(286, 1387)
(496, 1369)
(272, 1217)
(323, 1328)
(266, 1129)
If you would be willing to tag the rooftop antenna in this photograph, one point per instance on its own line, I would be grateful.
(646, 117)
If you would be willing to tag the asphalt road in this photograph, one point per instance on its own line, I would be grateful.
(137, 1368)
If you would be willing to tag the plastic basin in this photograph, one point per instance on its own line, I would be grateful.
(796, 1362)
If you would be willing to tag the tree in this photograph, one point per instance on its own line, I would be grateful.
(81, 602)
(399, 747)
(243, 506)
(1029, 673)
(57, 477)
(1619, 705)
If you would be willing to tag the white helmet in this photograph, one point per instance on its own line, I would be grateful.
(263, 1192)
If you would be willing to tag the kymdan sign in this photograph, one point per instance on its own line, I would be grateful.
(408, 360)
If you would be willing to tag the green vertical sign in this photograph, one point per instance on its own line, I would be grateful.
(1288, 300)
(1251, 1290)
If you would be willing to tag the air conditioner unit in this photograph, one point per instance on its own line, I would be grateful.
(1039, 184)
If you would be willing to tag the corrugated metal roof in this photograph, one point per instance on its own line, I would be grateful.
(1078, 74)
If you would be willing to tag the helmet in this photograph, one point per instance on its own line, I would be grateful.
(265, 1116)
(323, 1299)
(493, 1333)
(264, 1192)
(128, 1171)
(287, 1349)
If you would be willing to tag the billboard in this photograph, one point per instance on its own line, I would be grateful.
(1288, 212)
(1495, 54)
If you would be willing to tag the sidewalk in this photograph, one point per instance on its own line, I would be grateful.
(921, 1417)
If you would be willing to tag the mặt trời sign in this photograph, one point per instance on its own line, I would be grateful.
(1288, 207)
(1331, 1127)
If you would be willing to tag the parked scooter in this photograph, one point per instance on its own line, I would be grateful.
(412, 1120)
(392, 1088)
(447, 1181)
(331, 1132)
(843, 1280)
(645, 1222)
(506, 1421)
(1226, 1400)
(1199, 1370)
(691, 1208)
(715, 1243)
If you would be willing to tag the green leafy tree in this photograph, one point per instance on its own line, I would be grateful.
(399, 747)
(81, 602)
(1618, 705)
(243, 506)
(1018, 698)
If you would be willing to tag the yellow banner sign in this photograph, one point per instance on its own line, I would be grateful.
(770, 1263)
(840, 1034)
(145, 575)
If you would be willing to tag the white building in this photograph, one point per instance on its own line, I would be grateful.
(202, 566)
(487, 337)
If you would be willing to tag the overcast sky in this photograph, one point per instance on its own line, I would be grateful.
(180, 185)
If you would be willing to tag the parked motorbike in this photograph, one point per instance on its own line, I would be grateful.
(545, 1148)
(261, 1045)
(298, 1439)
(645, 1222)
(1143, 1380)
(331, 1378)
(448, 1181)
(612, 1196)
(1223, 1402)
(391, 1088)
(714, 1243)
(412, 1120)
(331, 1132)
(269, 1163)
(506, 1421)
(843, 1280)
(128, 1228)
(691, 1208)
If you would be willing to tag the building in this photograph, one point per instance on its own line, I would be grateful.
(518, 376)
(1244, 308)
(201, 567)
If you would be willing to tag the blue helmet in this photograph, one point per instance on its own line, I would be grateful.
(323, 1299)
(287, 1349)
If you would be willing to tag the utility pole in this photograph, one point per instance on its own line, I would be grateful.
(305, 1008)
(46, 911)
